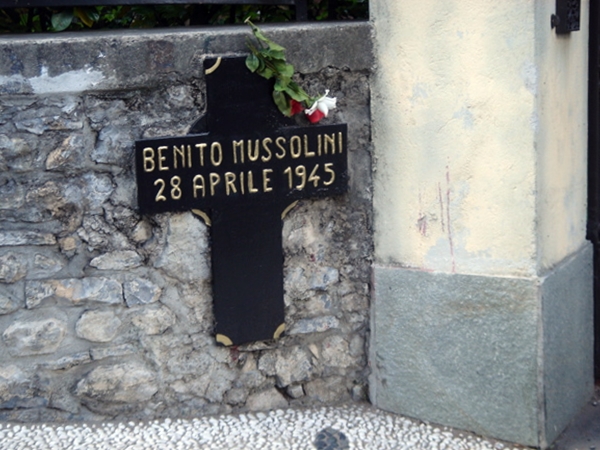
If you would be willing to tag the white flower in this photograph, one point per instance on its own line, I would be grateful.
(323, 104)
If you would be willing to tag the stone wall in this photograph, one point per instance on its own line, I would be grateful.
(106, 314)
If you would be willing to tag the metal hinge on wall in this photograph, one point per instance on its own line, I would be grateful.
(567, 16)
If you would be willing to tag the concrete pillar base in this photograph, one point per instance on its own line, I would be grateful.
(510, 358)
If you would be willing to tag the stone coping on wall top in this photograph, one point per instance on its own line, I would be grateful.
(127, 59)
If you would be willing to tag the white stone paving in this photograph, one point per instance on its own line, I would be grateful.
(365, 428)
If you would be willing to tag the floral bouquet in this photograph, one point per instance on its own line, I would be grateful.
(267, 59)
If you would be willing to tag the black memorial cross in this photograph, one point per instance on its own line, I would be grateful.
(241, 168)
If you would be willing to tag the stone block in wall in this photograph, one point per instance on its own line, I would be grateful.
(45, 264)
(236, 396)
(355, 302)
(268, 399)
(34, 337)
(15, 154)
(316, 304)
(63, 400)
(140, 292)
(12, 194)
(124, 217)
(327, 390)
(250, 376)
(113, 145)
(117, 260)
(56, 201)
(30, 262)
(314, 325)
(295, 391)
(66, 362)
(288, 366)
(220, 381)
(155, 320)
(38, 262)
(11, 268)
(25, 237)
(141, 232)
(96, 189)
(51, 122)
(12, 297)
(102, 236)
(336, 352)
(302, 279)
(103, 112)
(15, 384)
(322, 277)
(130, 382)
(184, 256)
(68, 245)
(194, 298)
(112, 351)
(74, 290)
(68, 155)
(62, 199)
(98, 326)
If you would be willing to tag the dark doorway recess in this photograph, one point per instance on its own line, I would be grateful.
(593, 230)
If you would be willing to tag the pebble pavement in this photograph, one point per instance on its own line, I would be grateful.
(326, 428)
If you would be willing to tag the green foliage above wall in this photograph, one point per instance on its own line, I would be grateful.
(47, 19)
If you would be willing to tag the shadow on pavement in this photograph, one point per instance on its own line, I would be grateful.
(584, 431)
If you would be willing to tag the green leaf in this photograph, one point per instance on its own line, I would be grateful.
(87, 15)
(282, 84)
(261, 37)
(252, 62)
(275, 47)
(288, 71)
(297, 93)
(259, 34)
(275, 54)
(62, 20)
(266, 73)
(265, 52)
(282, 103)
(284, 69)
(270, 62)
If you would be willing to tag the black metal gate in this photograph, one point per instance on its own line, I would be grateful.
(593, 229)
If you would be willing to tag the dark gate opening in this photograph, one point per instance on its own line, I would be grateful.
(593, 229)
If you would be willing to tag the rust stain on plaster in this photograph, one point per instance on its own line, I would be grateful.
(422, 220)
(441, 201)
(448, 220)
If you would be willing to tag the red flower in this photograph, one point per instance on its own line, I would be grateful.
(320, 108)
(295, 107)
(315, 116)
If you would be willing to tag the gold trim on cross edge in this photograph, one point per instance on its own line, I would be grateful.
(222, 339)
(279, 331)
(203, 216)
(288, 209)
(214, 67)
